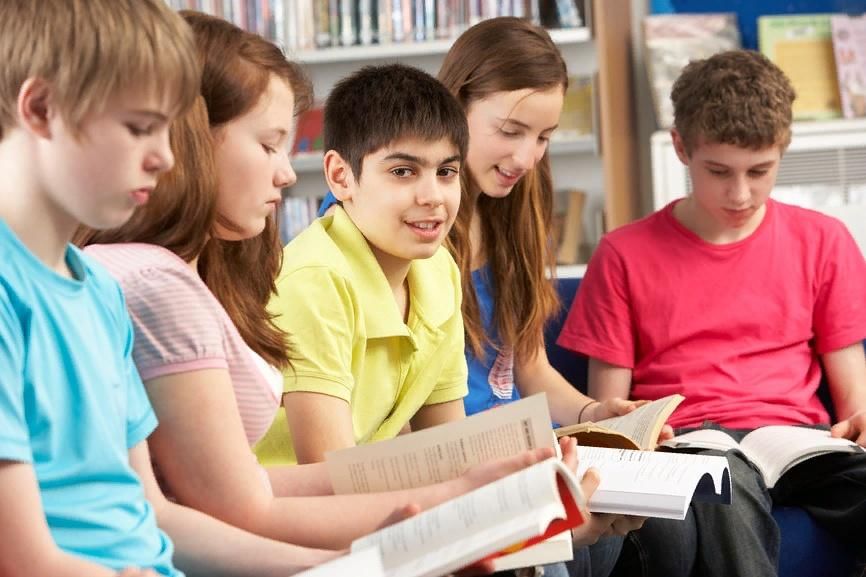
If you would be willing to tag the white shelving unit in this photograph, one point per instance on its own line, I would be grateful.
(575, 162)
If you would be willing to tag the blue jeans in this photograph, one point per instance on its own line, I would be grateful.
(832, 489)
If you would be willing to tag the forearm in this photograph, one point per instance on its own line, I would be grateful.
(564, 400)
(608, 381)
(300, 480)
(334, 522)
(201, 547)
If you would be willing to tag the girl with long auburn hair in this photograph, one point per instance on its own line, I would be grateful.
(510, 78)
(197, 264)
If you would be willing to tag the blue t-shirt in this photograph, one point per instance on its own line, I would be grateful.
(72, 405)
(491, 380)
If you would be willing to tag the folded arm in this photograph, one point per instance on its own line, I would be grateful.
(846, 375)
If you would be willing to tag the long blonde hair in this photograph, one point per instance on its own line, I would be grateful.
(504, 55)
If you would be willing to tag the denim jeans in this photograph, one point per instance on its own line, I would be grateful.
(742, 539)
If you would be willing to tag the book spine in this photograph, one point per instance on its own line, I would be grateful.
(386, 22)
(347, 22)
(365, 22)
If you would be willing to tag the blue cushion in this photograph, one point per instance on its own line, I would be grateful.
(807, 549)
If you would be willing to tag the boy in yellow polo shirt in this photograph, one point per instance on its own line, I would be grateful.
(369, 296)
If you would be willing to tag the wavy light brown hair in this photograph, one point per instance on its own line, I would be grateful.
(737, 97)
(237, 67)
(504, 55)
(94, 50)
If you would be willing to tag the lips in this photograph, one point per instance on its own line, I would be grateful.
(141, 196)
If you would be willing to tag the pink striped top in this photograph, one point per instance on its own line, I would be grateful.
(181, 327)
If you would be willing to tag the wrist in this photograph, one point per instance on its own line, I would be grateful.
(587, 412)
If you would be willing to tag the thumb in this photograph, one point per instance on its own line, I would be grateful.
(589, 483)
(841, 429)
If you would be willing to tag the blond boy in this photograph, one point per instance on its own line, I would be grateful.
(87, 91)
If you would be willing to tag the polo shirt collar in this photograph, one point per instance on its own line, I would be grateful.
(382, 318)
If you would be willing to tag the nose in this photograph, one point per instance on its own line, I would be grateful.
(527, 154)
(160, 157)
(430, 192)
(739, 191)
(285, 175)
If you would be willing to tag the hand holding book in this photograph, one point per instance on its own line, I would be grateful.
(853, 428)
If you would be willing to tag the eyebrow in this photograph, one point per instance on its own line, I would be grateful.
(150, 114)
(280, 132)
(766, 164)
(524, 125)
(418, 160)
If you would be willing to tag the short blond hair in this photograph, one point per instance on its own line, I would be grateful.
(93, 50)
(737, 97)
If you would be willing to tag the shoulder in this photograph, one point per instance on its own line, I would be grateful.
(648, 229)
(314, 249)
(811, 231)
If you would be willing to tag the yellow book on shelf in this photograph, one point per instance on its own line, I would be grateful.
(802, 46)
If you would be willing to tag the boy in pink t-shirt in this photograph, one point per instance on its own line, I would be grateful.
(735, 301)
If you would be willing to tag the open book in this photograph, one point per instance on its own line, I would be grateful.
(636, 430)
(654, 484)
(512, 513)
(773, 450)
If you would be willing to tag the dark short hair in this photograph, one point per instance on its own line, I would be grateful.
(378, 105)
(737, 97)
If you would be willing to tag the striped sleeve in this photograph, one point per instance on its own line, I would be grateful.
(177, 328)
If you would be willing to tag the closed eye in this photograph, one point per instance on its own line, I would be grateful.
(138, 131)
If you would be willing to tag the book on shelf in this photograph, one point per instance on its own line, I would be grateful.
(365, 562)
(501, 518)
(568, 226)
(446, 451)
(309, 131)
(849, 49)
(576, 118)
(673, 40)
(802, 46)
(299, 25)
(637, 430)
(295, 214)
(774, 449)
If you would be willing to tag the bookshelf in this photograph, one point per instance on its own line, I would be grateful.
(602, 164)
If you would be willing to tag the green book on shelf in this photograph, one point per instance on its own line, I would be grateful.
(802, 46)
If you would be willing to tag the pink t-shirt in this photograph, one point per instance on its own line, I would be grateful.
(736, 328)
(181, 327)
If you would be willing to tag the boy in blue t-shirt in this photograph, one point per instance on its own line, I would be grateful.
(87, 91)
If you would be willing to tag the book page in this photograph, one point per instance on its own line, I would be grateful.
(471, 527)
(443, 452)
(644, 423)
(653, 483)
(363, 563)
(702, 439)
(776, 449)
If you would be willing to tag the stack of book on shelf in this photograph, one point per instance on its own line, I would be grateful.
(672, 41)
(310, 24)
(523, 519)
(295, 214)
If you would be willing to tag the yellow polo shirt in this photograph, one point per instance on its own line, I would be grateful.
(349, 339)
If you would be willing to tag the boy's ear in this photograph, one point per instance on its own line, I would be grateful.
(679, 146)
(35, 107)
(338, 175)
